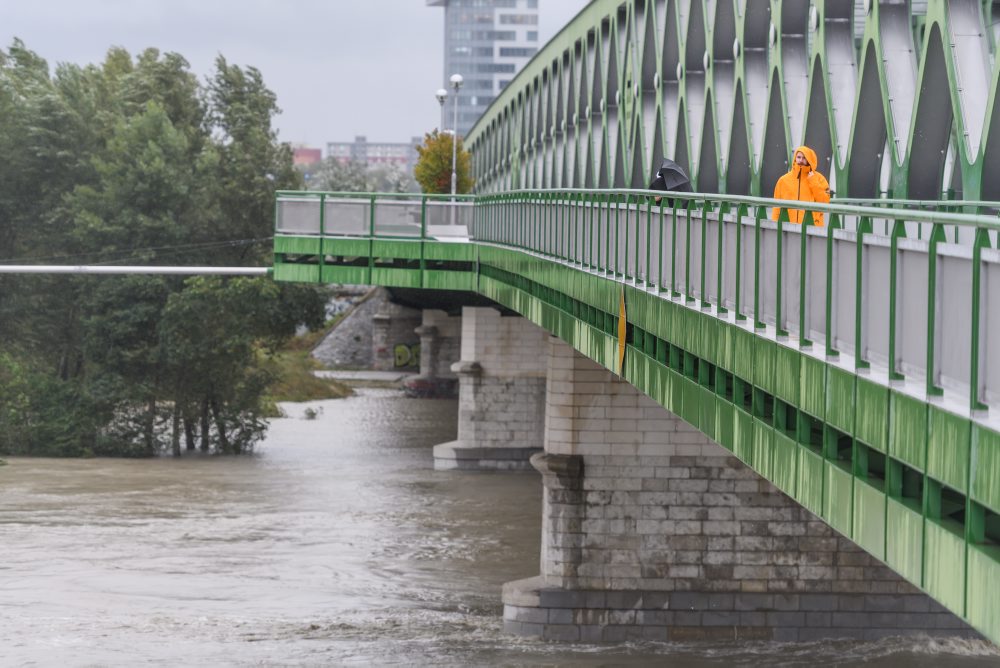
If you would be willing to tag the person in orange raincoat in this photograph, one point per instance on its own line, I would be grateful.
(803, 183)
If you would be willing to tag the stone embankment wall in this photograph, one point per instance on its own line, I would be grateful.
(349, 344)
(375, 334)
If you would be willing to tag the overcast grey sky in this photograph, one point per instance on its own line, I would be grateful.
(340, 68)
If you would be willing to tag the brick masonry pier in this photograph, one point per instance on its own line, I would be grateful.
(652, 531)
(501, 404)
(440, 347)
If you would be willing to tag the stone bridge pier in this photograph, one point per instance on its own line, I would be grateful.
(440, 343)
(501, 404)
(652, 531)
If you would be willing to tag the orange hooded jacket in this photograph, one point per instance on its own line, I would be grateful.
(804, 184)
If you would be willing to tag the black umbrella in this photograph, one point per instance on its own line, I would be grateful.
(671, 177)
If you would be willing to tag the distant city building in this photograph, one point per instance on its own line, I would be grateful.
(303, 156)
(487, 42)
(375, 154)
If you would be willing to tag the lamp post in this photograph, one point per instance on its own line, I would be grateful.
(456, 83)
(442, 96)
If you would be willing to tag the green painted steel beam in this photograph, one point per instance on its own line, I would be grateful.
(903, 103)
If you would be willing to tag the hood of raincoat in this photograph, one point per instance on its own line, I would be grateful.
(810, 157)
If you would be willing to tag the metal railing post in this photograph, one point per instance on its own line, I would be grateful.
(322, 234)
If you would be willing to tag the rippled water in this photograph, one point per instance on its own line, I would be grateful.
(336, 544)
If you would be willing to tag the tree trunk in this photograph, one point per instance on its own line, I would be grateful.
(189, 437)
(149, 426)
(206, 442)
(176, 435)
(220, 425)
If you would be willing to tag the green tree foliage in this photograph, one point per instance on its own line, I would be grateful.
(134, 162)
(433, 170)
(332, 175)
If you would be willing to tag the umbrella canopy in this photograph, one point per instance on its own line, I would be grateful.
(671, 176)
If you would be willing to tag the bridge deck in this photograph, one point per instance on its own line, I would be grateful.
(858, 378)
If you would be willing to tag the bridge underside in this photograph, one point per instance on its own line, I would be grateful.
(450, 301)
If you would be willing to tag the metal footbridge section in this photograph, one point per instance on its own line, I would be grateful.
(898, 98)
(853, 365)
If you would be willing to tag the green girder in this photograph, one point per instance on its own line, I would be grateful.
(897, 102)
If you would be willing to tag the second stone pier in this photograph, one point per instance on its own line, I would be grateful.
(502, 374)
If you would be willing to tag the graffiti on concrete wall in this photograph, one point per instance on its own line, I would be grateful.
(406, 355)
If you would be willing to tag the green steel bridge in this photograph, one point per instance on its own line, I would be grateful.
(854, 364)
(774, 339)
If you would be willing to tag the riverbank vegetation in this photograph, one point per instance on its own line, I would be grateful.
(134, 161)
(293, 369)
(294, 380)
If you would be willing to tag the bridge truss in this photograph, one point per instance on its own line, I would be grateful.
(898, 99)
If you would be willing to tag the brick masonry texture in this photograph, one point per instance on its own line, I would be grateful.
(446, 344)
(394, 326)
(593, 616)
(440, 347)
(651, 530)
(501, 403)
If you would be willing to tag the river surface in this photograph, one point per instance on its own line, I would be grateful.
(336, 543)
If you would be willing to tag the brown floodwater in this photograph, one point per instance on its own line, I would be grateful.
(336, 543)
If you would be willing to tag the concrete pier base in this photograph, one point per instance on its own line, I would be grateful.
(459, 456)
(533, 608)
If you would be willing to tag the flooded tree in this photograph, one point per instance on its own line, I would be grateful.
(133, 161)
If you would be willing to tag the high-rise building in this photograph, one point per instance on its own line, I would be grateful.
(487, 42)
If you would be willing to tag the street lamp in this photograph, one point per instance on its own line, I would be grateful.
(456, 83)
(442, 96)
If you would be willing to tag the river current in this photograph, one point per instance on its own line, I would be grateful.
(336, 543)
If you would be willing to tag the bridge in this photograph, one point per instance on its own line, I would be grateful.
(747, 428)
